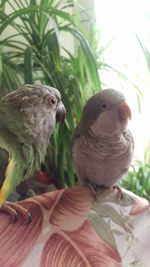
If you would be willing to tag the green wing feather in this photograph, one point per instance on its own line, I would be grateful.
(16, 138)
(27, 120)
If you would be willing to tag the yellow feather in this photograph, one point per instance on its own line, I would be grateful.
(6, 185)
(9, 168)
(2, 199)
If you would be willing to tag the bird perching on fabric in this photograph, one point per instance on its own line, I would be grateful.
(102, 145)
(27, 120)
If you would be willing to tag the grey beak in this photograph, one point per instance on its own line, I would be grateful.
(61, 112)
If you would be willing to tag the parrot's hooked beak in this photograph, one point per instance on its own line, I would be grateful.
(61, 112)
(124, 110)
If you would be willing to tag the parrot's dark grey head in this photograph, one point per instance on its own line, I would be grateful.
(46, 97)
(38, 108)
(34, 99)
(105, 113)
(31, 113)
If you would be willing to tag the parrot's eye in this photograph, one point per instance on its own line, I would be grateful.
(53, 100)
(104, 106)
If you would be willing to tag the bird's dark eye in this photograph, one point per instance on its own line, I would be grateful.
(53, 100)
(104, 106)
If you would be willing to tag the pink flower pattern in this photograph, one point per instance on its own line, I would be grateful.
(60, 234)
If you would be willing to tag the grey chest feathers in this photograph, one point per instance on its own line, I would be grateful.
(102, 144)
(102, 161)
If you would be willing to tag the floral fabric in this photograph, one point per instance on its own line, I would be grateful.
(70, 229)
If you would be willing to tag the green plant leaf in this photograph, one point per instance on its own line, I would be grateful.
(28, 66)
(145, 51)
(88, 55)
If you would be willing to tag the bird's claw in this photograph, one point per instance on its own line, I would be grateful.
(29, 217)
(120, 192)
(14, 209)
(92, 187)
(12, 212)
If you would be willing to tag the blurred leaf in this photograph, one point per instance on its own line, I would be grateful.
(28, 66)
(138, 179)
(145, 51)
(89, 57)
(36, 54)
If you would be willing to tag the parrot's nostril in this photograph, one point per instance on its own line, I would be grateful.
(124, 110)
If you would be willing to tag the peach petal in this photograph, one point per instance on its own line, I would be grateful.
(17, 239)
(81, 248)
(141, 204)
(58, 252)
(71, 208)
(47, 200)
(88, 240)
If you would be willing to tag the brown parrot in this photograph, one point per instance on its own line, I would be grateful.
(102, 144)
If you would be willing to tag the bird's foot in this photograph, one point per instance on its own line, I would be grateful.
(92, 187)
(120, 192)
(14, 209)
(93, 190)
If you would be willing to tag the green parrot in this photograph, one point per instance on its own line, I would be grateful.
(28, 117)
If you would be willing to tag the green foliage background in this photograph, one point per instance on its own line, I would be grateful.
(32, 51)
